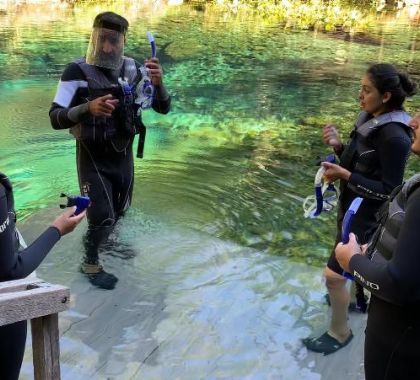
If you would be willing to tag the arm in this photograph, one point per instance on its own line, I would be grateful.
(398, 280)
(23, 263)
(393, 153)
(162, 100)
(70, 105)
(14, 265)
(7, 237)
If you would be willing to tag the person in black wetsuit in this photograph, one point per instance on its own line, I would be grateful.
(389, 267)
(371, 166)
(92, 100)
(16, 264)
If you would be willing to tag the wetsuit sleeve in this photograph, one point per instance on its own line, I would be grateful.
(339, 152)
(398, 280)
(26, 261)
(162, 101)
(6, 235)
(393, 154)
(69, 106)
(13, 264)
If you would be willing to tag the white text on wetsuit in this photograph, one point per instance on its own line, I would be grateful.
(369, 284)
(4, 225)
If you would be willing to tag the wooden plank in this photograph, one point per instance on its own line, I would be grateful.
(15, 285)
(46, 347)
(44, 299)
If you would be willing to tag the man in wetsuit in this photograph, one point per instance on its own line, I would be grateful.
(16, 264)
(94, 100)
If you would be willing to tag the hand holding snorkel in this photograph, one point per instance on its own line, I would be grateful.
(333, 172)
(345, 236)
(325, 196)
(152, 64)
(149, 77)
(345, 251)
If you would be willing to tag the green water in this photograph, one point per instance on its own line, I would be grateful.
(236, 154)
(216, 221)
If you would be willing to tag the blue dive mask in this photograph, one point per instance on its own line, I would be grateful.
(144, 90)
(325, 197)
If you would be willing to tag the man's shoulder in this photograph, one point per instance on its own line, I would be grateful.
(73, 71)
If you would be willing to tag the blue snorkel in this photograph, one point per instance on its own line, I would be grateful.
(80, 202)
(132, 89)
(321, 201)
(152, 43)
(345, 237)
(345, 227)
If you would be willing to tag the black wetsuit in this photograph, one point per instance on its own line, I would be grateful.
(105, 166)
(15, 264)
(393, 329)
(392, 145)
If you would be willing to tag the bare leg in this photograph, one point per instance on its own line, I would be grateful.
(340, 299)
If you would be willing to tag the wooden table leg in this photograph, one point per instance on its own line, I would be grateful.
(46, 347)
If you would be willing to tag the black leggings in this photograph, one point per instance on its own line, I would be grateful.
(392, 342)
(12, 348)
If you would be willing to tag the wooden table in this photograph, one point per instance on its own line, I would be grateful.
(40, 302)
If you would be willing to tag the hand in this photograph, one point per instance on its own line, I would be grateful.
(344, 252)
(155, 70)
(102, 106)
(331, 137)
(334, 172)
(67, 221)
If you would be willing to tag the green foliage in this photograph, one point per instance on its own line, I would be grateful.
(310, 14)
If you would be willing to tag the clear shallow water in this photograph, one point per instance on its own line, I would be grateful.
(188, 306)
(216, 222)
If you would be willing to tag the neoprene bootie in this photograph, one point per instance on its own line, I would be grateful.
(103, 280)
(98, 277)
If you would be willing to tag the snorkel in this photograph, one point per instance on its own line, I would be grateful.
(152, 43)
(345, 227)
(80, 202)
(142, 87)
(345, 237)
(325, 193)
(139, 91)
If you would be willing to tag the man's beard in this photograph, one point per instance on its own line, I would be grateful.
(109, 59)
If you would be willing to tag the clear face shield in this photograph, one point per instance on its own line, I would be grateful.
(106, 48)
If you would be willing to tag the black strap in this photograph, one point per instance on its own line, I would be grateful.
(142, 138)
